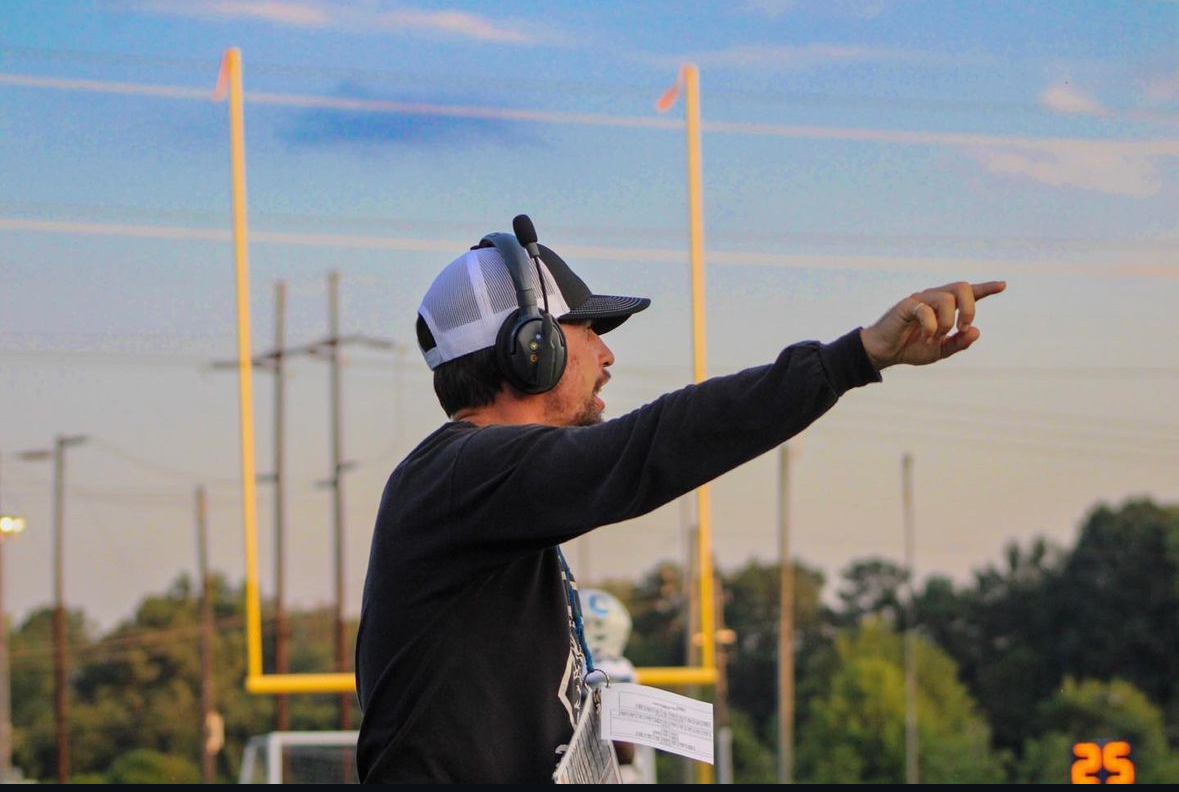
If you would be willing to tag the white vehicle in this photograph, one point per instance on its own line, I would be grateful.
(292, 757)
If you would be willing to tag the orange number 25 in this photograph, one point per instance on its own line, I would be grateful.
(1113, 757)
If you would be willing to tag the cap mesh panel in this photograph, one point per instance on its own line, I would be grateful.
(500, 291)
(453, 303)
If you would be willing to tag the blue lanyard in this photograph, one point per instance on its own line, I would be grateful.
(574, 603)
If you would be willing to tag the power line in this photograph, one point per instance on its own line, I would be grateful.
(106, 357)
(122, 640)
(801, 261)
(1075, 452)
(90, 357)
(966, 419)
(1062, 372)
(135, 459)
(645, 232)
(958, 408)
(1086, 448)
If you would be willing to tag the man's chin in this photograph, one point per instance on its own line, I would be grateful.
(558, 413)
(590, 416)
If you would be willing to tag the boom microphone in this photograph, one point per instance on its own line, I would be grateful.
(526, 235)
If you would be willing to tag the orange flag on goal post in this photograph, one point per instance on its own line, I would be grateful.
(667, 100)
(221, 90)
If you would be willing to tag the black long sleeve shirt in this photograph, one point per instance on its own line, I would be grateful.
(467, 669)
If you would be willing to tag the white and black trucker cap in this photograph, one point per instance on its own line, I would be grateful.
(469, 300)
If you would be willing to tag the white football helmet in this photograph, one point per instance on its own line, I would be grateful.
(607, 622)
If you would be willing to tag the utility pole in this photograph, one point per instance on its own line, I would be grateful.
(332, 345)
(60, 698)
(337, 484)
(273, 360)
(206, 637)
(785, 626)
(281, 629)
(691, 644)
(691, 647)
(912, 774)
(724, 729)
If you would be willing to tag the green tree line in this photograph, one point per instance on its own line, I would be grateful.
(1046, 648)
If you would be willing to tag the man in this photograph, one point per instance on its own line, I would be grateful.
(470, 654)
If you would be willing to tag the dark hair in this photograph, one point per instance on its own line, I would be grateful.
(469, 381)
(463, 383)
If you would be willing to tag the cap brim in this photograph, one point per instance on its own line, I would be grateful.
(605, 311)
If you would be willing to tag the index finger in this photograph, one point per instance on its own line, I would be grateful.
(988, 288)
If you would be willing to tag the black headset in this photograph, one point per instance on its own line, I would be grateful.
(530, 348)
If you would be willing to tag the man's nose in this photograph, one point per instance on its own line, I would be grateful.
(606, 356)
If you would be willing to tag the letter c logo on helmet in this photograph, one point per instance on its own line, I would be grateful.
(607, 622)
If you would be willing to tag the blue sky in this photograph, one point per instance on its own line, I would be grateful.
(853, 153)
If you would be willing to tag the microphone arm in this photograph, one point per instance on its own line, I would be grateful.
(526, 235)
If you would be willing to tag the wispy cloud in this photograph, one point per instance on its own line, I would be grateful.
(861, 9)
(1064, 97)
(454, 23)
(797, 57)
(1118, 167)
(361, 17)
(1114, 168)
(279, 12)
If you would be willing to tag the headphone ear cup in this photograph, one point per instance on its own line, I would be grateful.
(559, 351)
(531, 352)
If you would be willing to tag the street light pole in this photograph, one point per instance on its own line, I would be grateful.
(10, 525)
(60, 699)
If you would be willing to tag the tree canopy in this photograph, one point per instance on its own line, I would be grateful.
(1048, 647)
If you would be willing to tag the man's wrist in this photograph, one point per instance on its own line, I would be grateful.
(846, 363)
(871, 349)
